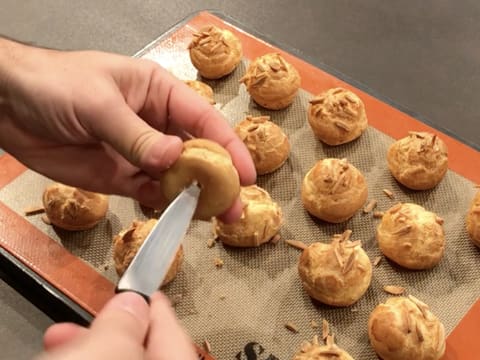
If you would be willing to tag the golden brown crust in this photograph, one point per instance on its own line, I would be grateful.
(473, 220)
(411, 236)
(336, 274)
(72, 208)
(267, 143)
(271, 81)
(215, 52)
(333, 190)
(314, 351)
(419, 161)
(202, 89)
(405, 329)
(261, 220)
(337, 116)
(211, 166)
(127, 243)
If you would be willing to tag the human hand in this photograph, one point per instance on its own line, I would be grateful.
(100, 121)
(126, 328)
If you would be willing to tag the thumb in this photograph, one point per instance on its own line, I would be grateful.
(142, 145)
(118, 332)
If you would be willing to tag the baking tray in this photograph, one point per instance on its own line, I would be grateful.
(84, 289)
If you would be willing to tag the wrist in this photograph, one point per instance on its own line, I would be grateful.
(9, 56)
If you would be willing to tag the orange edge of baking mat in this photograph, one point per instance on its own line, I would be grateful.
(462, 342)
(381, 116)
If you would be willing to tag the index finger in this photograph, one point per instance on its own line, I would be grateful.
(187, 110)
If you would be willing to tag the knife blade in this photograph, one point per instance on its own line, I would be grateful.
(148, 268)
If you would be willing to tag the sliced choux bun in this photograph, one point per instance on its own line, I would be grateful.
(267, 143)
(473, 220)
(201, 89)
(71, 208)
(211, 166)
(271, 81)
(261, 220)
(404, 328)
(333, 190)
(411, 236)
(419, 161)
(336, 274)
(215, 52)
(127, 243)
(337, 116)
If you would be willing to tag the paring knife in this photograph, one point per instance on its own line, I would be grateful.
(148, 268)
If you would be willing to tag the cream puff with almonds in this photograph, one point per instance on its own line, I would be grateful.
(215, 52)
(404, 328)
(267, 143)
(260, 221)
(411, 236)
(336, 274)
(418, 161)
(337, 116)
(271, 81)
(333, 190)
(127, 243)
(313, 350)
(473, 220)
(71, 208)
(201, 89)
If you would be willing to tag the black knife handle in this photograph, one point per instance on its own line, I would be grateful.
(145, 297)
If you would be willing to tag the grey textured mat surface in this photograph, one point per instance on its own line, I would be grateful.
(258, 290)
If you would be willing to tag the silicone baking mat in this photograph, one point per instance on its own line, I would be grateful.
(241, 308)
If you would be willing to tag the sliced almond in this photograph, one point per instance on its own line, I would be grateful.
(419, 332)
(346, 235)
(275, 239)
(350, 98)
(389, 193)
(377, 260)
(33, 210)
(315, 340)
(370, 206)
(349, 263)
(353, 244)
(394, 289)
(296, 244)
(316, 101)
(325, 329)
(378, 214)
(292, 327)
(402, 230)
(46, 220)
(314, 324)
(330, 340)
(342, 125)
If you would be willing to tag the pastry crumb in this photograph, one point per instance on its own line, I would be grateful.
(218, 262)
(377, 260)
(378, 214)
(314, 324)
(210, 243)
(394, 290)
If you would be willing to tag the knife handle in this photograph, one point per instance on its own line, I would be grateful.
(145, 297)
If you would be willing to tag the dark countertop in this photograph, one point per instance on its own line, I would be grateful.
(423, 55)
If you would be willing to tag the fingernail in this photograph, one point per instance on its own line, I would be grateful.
(131, 303)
